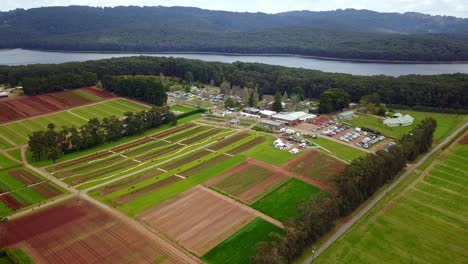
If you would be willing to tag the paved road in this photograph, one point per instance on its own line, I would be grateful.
(379, 197)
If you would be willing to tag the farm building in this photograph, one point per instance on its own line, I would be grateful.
(293, 118)
(399, 120)
(267, 113)
(251, 110)
(346, 115)
(272, 125)
(3, 94)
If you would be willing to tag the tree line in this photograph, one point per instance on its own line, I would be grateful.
(57, 82)
(52, 144)
(150, 89)
(359, 181)
(439, 91)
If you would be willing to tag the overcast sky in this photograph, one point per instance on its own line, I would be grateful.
(457, 8)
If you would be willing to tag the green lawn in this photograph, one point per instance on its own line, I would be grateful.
(339, 150)
(424, 223)
(6, 163)
(240, 247)
(15, 153)
(446, 123)
(4, 210)
(181, 108)
(14, 255)
(267, 153)
(4, 144)
(282, 203)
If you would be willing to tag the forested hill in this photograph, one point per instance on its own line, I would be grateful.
(347, 34)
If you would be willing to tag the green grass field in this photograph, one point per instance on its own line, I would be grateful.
(240, 247)
(282, 203)
(6, 163)
(424, 220)
(446, 123)
(267, 153)
(15, 153)
(19, 131)
(87, 95)
(339, 150)
(181, 108)
(240, 182)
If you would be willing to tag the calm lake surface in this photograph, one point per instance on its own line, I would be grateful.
(22, 57)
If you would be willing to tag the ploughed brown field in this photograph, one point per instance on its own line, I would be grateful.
(197, 219)
(29, 106)
(79, 232)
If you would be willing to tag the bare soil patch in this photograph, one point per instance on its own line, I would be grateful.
(197, 219)
(46, 190)
(316, 165)
(25, 176)
(79, 232)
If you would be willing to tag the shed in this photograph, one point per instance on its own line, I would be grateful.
(346, 115)
(272, 125)
(405, 120)
(3, 94)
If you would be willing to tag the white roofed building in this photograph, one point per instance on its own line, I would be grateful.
(399, 120)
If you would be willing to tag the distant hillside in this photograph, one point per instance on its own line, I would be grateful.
(347, 34)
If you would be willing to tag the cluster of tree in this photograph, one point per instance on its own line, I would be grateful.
(360, 180)
(57, 82)
(149, 89)
(419, 140)
(441, 91)
(348, 34)
(15, 256)
(277, 103)
(52, 144)
(373, 105)
(333, 100)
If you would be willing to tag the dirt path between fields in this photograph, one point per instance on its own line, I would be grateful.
(232, 201)
(373, 201)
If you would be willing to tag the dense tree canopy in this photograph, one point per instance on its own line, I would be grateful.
(348, 34)
(333, 100)
(437, 91)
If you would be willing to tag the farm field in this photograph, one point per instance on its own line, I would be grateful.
(282, 203)
(423, 221)
(138, 192)
(339, 150)
(247, 182)
(78, 232)
(446, 123)
(134, 156)
(18, 131)
(20, 188)
(6, 163)
(180, 109)
(29, 106)
(197, 219)
(265, 152)
(240, 247)
(316, 165)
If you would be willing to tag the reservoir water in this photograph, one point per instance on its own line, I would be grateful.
(22, 57)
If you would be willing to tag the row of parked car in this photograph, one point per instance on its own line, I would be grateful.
(335, 130)
(331, 123)
(370, 140)
(350, 136)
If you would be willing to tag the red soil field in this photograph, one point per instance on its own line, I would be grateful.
(46, 190)
(250, 194)
(29, 106)
(316, 165)
(197, 219)
(98, 92)
(79, 232)
(464, 139)
(11, 202)
(25, 176)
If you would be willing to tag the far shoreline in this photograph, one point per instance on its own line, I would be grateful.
(253, 55)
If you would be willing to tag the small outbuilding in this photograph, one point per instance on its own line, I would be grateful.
(3, 94)
(272, 125)
(346, 115)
